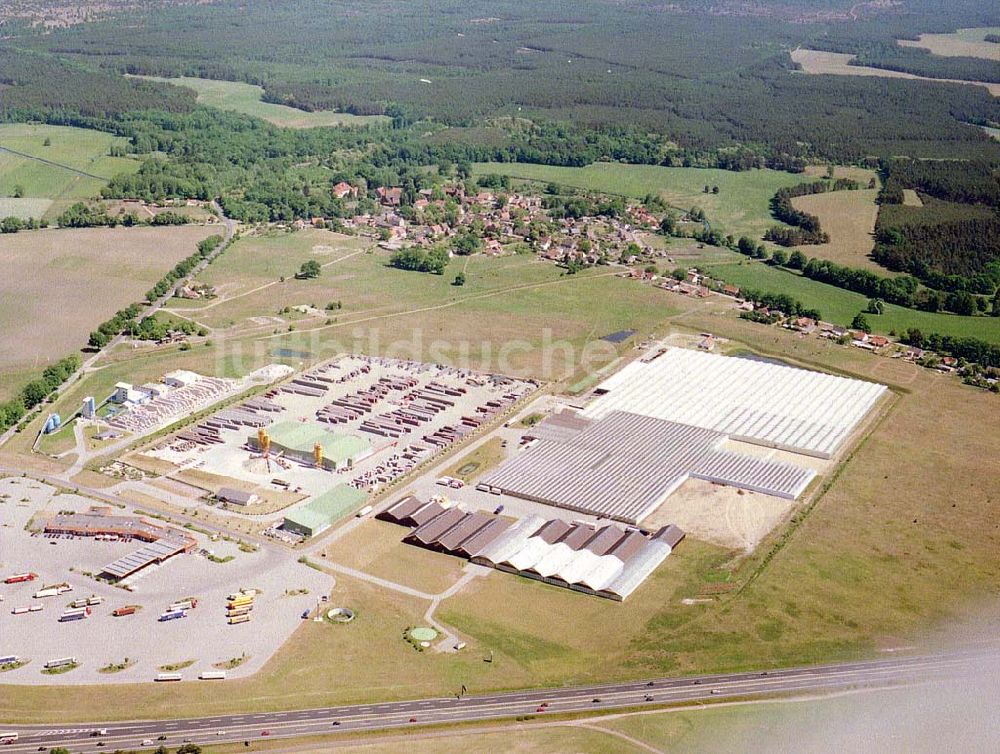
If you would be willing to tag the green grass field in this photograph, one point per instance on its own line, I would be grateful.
(509, 308)
(245, 98)
(70, 149)
(839, 306)
(740, 207)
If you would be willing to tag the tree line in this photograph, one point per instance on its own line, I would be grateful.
(37, 391)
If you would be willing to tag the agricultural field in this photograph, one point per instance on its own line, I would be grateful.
(837, 63)
(839, 306)
(60, 284)
(740, 207)
(962, 43)
(246, 99)
(74, 165)
(849, 218)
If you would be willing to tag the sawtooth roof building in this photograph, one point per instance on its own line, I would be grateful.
(602, 560)
(623, 466)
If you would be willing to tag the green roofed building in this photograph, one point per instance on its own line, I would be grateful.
(297, 440)
(321, 513)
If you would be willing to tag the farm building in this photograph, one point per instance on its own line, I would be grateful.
(319, 514)
(603, 560)
(754, 401)
(235, 497)
(298, 440)
(624, 465)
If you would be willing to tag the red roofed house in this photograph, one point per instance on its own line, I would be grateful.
(343, 189)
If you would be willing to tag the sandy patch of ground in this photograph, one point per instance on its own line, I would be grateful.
(721, 515)
(912, 199)
(817, 62)
(968, 43)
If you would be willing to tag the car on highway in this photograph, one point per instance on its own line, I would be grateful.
(649, 698)
(596, 700)
(101, 743)
(335, 723)
(161, 737)
(265, 733)
(147, 742)
(716, 691)
(540, 709)
(220, 732)
(413, 719)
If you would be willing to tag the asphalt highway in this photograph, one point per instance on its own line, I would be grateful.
(539, 702)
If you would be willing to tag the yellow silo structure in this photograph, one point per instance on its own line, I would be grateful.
(318, 455)
(265, 441)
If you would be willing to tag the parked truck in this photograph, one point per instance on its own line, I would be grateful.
(127, 610)
(244, 610)
(187, 604)
(87, 601)
(61, 662)
(239, 619)
(172, 615)
(213, 675)
(53, 590)
(75, 614)
(17, 578)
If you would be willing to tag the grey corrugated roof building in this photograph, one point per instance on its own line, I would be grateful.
(625, 465)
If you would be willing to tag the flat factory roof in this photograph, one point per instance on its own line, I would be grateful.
(759, 402)
(331, 506)
(302, 436)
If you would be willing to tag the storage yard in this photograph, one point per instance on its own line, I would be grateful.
(171, 613)
(339, 431)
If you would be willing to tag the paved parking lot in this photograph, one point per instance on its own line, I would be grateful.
(203, 636)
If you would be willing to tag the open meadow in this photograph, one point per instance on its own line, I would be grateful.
(969, 43)
(507, 310)
(246, 98)
(740, 207)
(849, 218)
(60, 284)
(74, 164)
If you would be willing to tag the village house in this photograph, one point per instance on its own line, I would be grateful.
(390, 197)
(343, 190)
